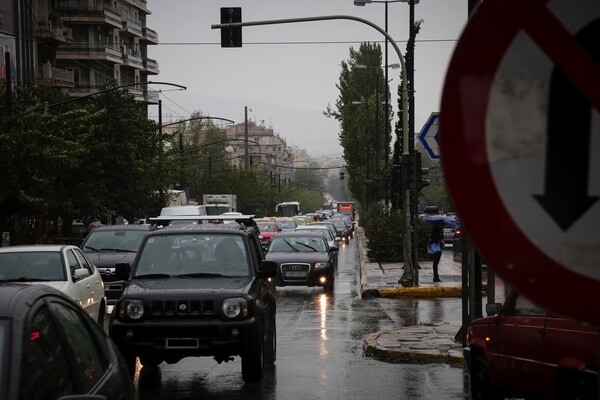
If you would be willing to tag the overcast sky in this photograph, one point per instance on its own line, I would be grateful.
(287, 74)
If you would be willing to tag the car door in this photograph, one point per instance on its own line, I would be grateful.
(80, 289)
(93, 282)
(515, 345)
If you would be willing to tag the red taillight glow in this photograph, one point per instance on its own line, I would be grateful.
(34, 335)
(457, 233)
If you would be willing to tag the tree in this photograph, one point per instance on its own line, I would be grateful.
(362, 126)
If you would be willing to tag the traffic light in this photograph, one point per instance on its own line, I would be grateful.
(231, 37)
(420, 171)
(341, 175)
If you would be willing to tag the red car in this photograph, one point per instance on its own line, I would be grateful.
(267, 231)
(522, 350)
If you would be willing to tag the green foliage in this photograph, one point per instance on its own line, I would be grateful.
(363, 133)
(97, 156)
(386, 237)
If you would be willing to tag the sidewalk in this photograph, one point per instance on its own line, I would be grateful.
(413, 344)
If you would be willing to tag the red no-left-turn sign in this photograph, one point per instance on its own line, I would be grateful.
(520, 114)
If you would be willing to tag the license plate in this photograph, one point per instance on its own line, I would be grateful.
(295, 274)
(181, 343)
(117, 287)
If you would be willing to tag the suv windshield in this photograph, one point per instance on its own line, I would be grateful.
(199, 255)
(111, 241)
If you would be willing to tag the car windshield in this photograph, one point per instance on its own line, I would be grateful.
(31, 266)
(267, 227)
(297, 244)
(113, 241)
(197, 255)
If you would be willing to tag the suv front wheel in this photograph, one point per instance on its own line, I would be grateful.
(253, 362)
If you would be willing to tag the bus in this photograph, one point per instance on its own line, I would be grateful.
(288, 209)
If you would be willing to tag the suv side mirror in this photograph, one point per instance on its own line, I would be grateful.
(267, 269)
(122, 271)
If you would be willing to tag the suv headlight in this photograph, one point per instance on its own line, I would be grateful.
(132, 309)
(236, 307)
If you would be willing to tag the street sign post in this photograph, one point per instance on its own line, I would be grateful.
(430, 136)
(521, 147)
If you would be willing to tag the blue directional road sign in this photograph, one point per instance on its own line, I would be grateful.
(430, 136)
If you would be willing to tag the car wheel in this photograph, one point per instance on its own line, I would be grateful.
(101, 314)
(329, 286)
(253, 362)
(572, 386)
(271, 345)
(481, 388)
(130, 360)
(149, 361)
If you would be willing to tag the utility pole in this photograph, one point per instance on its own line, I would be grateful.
(246, 138)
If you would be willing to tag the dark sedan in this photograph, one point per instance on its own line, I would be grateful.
(303, 259)
(52, 348)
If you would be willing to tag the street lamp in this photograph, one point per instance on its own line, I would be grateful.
(408, 147)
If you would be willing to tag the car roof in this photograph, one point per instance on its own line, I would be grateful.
(35, 247)
(297, 233)
(200, 228)
(130, 227)
(16, 297)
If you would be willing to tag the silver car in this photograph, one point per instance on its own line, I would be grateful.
(64, 267)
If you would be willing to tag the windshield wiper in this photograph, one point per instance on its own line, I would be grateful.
(291, 245)
(153, 276)
(92, 248)
(305, 245)
(119, 250)
(200, 275)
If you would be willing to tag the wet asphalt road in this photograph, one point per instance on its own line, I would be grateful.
(319, 351)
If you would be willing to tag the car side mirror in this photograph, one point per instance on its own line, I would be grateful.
(81, 273)
(493, 308)
(267, 269)
(122, 271)
(334, 248)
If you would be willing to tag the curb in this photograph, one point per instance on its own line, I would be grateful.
(437, 291)
(411, 349)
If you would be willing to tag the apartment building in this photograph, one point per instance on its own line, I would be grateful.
(264, 147)
(79, 45)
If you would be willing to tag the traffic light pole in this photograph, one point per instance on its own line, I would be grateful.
(405, 96)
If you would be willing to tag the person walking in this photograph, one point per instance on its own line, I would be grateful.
(434, 247)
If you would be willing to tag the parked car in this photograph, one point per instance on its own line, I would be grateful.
(521, 350)
(108, 245)
(64, 267)
(198, 290)
(51, 348)
(303, 259)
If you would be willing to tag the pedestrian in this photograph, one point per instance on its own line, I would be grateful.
(434, 247)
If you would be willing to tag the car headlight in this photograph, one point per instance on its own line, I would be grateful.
(132, 309)
(236, 307)
(321, 265)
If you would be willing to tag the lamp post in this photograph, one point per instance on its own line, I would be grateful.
(361, 3)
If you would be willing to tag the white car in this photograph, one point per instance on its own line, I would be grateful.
(64, 267)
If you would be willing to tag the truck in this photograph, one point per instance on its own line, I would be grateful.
(217, 204)
(347, 207)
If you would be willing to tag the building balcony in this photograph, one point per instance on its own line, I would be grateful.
(54, 77)
(151, 66)
(131, 27)
(75, 13)
(132, 58)
(56, 34)
(141, 4)
(149, 35)
(90, 51)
